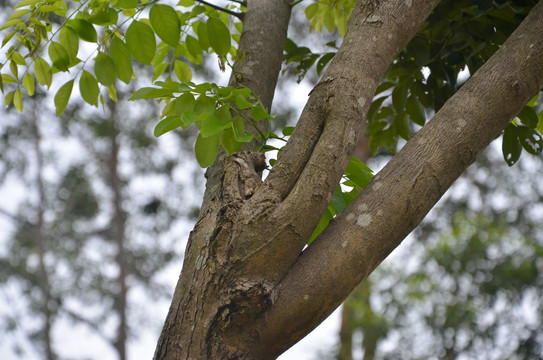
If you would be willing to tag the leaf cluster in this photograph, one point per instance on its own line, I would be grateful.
(219, 113)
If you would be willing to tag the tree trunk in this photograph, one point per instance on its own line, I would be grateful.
(118, 223)
(39, 241)
(247, 290)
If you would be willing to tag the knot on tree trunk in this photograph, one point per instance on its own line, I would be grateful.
(242, 174)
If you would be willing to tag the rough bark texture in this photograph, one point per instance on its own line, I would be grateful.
(247, 291)
(409, 186)
(211, 297)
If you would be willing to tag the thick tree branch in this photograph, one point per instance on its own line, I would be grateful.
(408, 187)
(308, 172)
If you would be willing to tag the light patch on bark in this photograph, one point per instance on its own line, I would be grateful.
(460, 125)
(373, 19)
(352, 138)
(376, 185)
(379, 212)
(389, 36)
(363, 207)
(306, 297)
(344, 244)
(364, 220)
(361, 101)
(350, 216)
(199, 262)
(374, 38)
(409, 3)
(421, 140)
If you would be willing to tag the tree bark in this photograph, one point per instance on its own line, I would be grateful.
(247, 291)
(397, 199)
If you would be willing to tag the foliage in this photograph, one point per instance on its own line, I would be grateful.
(455, 41)
(183, 38)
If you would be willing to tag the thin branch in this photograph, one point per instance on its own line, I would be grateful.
(243, 3)
(233, 13)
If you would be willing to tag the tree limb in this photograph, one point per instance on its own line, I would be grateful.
(307, 173)
(397, 199)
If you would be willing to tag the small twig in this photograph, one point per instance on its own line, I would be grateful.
(233, 13)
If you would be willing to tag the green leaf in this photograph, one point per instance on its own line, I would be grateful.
(201, 31)
(18, 58)
(104, 68)
(29, 84)
(528, 116)
(540, 122)
(9, 98)
(338, 202)
(14, 68)
(184, 103)
(165, 22)
(511, 146)
(69, 39)
(43, 72)
(206, 149)
(59, 56)
(194, 49)
(122, 58)
(189, 117)
(186, 3)
(211, 125)
(18, 100)
(323, 61)
(84, 29)
(62, 97)
(10, 23)
(239, 131)
(159, 70)
(374, 108)
(415, 110)
(401, 122)
(141, 41)
(88, 86)
(168, 124)
(224, 115)
(104, 17)
(399, 97)
(8, 37)
(205, 104)
(288, 130)
(229, 142)
(151, 93)
(219, 36)
(530, 140)
(358, 172)
(182, 71)
(127, 4)
(242, 103)
(26, 3)
(323, 223)
(259, 113)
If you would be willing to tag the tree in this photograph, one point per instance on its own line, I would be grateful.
(249, 288)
